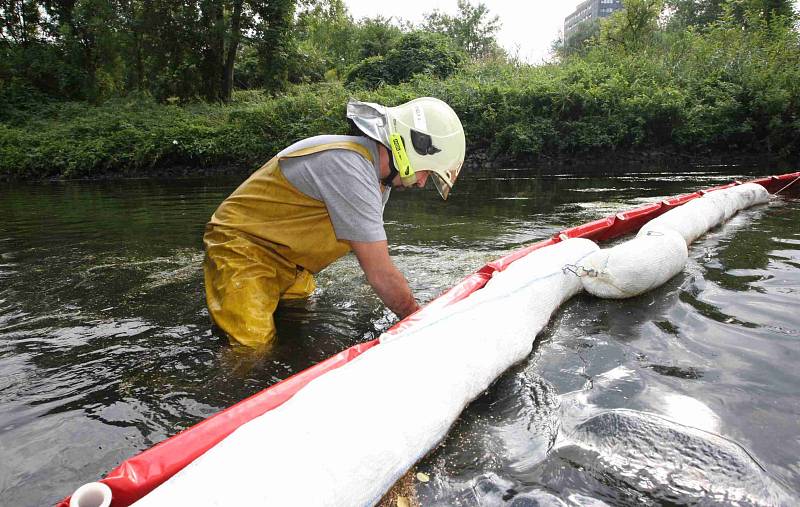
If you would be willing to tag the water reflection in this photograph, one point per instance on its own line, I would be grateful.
(106, 348)
(625, 456)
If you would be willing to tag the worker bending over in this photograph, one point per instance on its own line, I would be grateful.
(314, 202)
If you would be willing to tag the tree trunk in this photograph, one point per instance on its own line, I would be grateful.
(275, 41)
(213, 57)
(233, 47)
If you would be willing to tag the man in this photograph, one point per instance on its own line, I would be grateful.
(315, 201)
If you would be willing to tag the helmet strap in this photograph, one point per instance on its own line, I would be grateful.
(387, 181)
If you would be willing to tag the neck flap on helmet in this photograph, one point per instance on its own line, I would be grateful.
(371, 119)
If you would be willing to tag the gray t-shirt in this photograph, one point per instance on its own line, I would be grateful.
(345, 181)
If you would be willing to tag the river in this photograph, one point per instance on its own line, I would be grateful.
(106, 347)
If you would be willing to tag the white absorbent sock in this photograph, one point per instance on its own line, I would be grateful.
(696, 217)
(350, 434)
(690, 220)
(729, 202)
(739, 197)
(636, 266)
(753, 194)
(659, 250)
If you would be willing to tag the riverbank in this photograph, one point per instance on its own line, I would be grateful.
(479, 164)
(671, 102)
(141, 139)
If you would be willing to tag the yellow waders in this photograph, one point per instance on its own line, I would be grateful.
(262, 244)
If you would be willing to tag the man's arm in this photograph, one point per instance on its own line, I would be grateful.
(384, 277)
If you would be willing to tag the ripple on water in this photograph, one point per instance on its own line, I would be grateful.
(508, 430)
(106, 348)
(654, 460)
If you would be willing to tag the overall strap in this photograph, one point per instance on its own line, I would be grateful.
(342, 145)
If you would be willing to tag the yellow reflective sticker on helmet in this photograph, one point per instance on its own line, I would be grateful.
(401, 161)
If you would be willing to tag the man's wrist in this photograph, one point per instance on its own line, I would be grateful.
(409, 308)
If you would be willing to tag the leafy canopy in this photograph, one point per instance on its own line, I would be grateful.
(473, 29)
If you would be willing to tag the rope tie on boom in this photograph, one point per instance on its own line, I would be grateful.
(787, 186)
(579, 271)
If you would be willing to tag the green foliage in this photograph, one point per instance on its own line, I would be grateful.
(331, 42)
(745, 82)
(416, 53)
(376, 36)
(697, 13)
(730, 86)
(274, 40)
(472, 29)
(704, 13)
(373, 72)
(329, 30)
(96, 49)
(766, 10)
(75, 140)
(633, 27)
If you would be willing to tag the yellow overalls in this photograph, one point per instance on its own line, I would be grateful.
(262, 244)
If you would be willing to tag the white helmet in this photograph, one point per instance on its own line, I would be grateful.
(428, 125)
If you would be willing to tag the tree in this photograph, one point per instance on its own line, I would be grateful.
(19, 21)
(634, 26)
(767, 10)
(91, 49)
(415, 53)
(274, 40)
(328, 29)
(328, 36)
(222, 25)
(376, 36)
(472, 29)
(703, 13)
(700, 13)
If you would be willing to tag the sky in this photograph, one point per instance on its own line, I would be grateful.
(529, 27)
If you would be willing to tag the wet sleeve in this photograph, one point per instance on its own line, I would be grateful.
(349, 188)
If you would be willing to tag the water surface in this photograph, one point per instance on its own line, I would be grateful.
(106, 347)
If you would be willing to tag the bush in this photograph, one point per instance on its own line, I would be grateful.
(416, 53)
(77, 140)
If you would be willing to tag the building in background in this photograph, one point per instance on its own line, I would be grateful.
(589, 10)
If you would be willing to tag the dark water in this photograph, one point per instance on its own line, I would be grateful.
(106, 349)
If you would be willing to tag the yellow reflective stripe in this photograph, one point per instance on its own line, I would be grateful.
(345, 145)
(401, 161)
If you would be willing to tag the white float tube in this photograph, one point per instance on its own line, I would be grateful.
(94, 494)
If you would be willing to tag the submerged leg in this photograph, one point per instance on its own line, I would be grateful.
(242, 288)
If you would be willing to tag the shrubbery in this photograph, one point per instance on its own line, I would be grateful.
(717, 90)
(415, 53)
(76, 140)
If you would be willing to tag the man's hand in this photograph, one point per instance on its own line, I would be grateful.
(384, 277)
